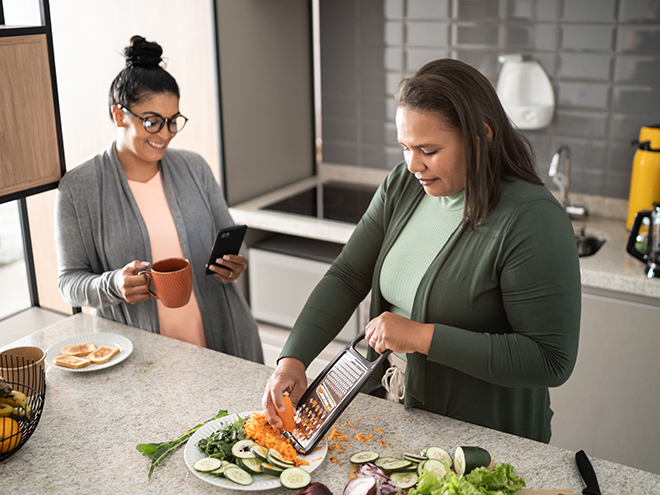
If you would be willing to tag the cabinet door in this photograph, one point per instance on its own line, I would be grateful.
(609, 406)
(29, 154)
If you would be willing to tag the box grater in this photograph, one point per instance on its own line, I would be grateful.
(329, 394)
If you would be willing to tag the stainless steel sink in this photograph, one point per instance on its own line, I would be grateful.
(588, 244)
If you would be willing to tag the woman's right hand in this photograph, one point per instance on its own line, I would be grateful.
(134, 288)
(289, 376)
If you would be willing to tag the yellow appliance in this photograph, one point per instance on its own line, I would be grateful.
(645, 181)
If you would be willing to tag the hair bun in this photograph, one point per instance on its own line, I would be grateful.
(143, 53)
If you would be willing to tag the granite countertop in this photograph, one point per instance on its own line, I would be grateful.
(611, 268)
(85, 441)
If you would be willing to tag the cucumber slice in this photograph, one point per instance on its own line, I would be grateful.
(238, 475)
(250, 464)
(270, 469)
(436, 467)
(221, 470)
(277, 459)
(243, 449)
(468, 458)
(403, 480)
(420, 468)
(295, 478)
(391, 463)
(438, 453)
(366, 456)
(260, 451)
(207, 464)
(415, 458)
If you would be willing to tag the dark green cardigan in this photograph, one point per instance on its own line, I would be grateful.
(504, 298)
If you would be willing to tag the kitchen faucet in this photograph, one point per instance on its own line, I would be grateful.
(563, 182)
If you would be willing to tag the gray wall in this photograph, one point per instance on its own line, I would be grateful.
(603, 58)
(266, 103)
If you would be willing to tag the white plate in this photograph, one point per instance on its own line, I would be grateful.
(99, 339)
(192, 454)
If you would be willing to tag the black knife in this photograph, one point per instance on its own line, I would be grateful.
(587, 474)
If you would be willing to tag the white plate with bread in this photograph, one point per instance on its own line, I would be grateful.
(89, 352)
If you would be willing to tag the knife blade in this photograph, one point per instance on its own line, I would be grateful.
(587, 474)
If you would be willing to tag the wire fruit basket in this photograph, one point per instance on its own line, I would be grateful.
(27, 381)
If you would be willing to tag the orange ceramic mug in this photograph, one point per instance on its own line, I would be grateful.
(172, 279)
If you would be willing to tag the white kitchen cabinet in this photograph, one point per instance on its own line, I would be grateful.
(609, 406)
(283, 272)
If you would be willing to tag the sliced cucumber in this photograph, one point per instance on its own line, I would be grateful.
(260, 451)
(238, 475)
(366, 456)
(207, 464)
(416, 458)
(295, 478)
(243, 449)
(438, 453)
(403, 480)
(221, 470)
(409, 469)
(250, 464)
(468, 458)
(420, 468)
(437, 467)
(277, 459)
(270, 469)
(391, 463)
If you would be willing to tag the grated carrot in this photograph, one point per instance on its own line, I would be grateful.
(258, 429)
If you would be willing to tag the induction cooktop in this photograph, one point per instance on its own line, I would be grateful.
(340, 201)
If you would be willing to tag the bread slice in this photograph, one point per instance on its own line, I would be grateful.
(102, 354)
(74, 362)
(78, 349)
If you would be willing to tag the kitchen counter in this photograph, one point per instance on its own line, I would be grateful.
(91, 423)
(611, 268)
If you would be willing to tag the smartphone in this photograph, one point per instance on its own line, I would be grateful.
(228, 241)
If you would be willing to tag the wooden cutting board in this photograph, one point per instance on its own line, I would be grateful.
(525, 491)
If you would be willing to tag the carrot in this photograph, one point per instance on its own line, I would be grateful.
(258, 429)
(288, 422)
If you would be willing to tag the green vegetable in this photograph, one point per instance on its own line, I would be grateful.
(481, 481)
(220, 443)
(158, 452)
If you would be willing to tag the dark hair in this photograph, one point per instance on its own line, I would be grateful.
(143, 76)
(465, 99)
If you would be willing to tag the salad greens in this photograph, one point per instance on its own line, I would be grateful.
(219, 443)
(499, 480)
(158, 452)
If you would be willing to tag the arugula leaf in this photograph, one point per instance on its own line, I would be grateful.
(158, 452)
(219, 444)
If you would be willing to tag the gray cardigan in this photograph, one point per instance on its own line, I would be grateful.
(99, 229)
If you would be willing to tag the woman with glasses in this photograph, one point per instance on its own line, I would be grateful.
(138, 202)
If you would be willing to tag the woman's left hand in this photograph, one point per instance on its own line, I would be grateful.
(236, 264)
(399, 334)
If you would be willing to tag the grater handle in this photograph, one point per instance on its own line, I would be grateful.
(369, 364)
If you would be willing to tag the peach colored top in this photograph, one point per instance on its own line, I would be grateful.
(183, 323)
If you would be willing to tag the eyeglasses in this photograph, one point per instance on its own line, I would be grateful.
(154, 123)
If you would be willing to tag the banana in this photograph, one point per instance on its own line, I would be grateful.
(20, 414)
(15, 399)
(6, 410)
(5, 388)
(18, 400)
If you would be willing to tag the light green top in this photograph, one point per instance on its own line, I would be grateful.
(504, 299)
(425, 234)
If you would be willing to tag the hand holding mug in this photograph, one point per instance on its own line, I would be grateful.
(172, 279)
(133, 286)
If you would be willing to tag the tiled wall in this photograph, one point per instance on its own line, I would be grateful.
(602, 56)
